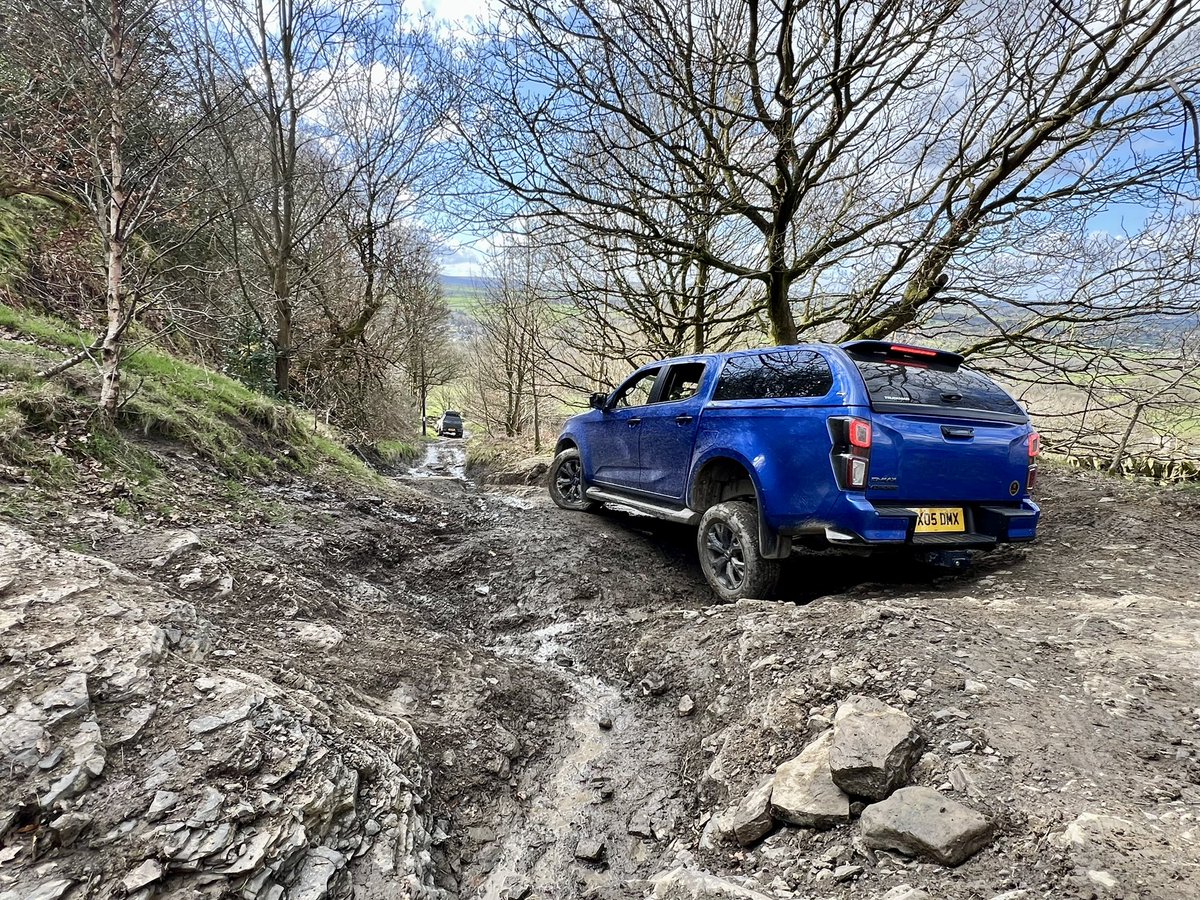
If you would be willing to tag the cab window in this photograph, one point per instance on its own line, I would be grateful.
(636, 391)
(682, 382)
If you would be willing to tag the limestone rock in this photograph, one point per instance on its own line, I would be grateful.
(230, 716)
(176, 545)
(315, 873)
(804, 792)
(147, 873)
(918, 821)
(47, 889)
(590, 849)
(69, 826)
(874, 747)
(68, 699)
(19, 738)
(162, 803)
(752, 821)
(686, 884)
(323, 637)
(905, 892)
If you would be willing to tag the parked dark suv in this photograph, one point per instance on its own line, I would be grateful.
(450, 424)
(868, 444)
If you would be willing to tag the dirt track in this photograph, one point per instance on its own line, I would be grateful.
(505, 630)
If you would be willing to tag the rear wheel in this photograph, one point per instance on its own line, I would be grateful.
(567, 487)
(728, 545)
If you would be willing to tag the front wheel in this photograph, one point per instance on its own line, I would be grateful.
(729, 554)
(567, 487)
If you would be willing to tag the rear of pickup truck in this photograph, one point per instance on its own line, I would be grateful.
(939, 457)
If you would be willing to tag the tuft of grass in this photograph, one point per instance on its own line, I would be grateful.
(399, 453)
(44, 328)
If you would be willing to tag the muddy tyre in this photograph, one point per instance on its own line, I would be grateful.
(728, 545)
(567, 487)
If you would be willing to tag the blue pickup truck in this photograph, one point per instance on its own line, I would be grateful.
(867, 444)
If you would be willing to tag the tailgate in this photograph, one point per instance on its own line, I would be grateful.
(935, 458)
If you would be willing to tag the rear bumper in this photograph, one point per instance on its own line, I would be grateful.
(858, 521)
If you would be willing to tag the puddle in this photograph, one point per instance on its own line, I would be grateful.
(443, 460)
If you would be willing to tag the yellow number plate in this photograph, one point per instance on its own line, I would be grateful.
(935, 518)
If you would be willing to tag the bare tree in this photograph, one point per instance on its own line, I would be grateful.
(510, 351)
(93, 118)
(265, 70)
(859, 151)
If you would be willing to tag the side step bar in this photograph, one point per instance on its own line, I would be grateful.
(684, 516)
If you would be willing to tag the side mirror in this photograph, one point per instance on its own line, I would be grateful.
(598, 401)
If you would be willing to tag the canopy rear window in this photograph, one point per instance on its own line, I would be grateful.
(900, 385)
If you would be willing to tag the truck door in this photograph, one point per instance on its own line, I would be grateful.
(669, 431)
(613, 439)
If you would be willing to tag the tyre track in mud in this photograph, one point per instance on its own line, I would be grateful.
(612, 768)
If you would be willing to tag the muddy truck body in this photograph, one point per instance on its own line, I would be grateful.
(868, 444)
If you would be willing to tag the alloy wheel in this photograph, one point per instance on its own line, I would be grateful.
(569, 481)
(726, 556)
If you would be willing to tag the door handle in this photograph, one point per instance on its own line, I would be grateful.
(684, 420)
(633, 423)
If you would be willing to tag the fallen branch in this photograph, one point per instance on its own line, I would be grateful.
(59, 367)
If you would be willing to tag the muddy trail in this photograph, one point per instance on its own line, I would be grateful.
(585, 715)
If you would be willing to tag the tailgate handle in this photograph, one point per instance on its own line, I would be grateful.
(684, 420)
(953, 432)
(633, 423)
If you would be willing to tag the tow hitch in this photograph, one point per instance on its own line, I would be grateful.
(954, 560)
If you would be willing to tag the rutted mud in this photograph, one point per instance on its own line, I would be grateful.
(576, 693)
(444, 459)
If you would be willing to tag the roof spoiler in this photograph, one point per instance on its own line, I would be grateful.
(903, 353)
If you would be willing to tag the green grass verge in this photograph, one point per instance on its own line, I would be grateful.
(399, 453)
(45, 424)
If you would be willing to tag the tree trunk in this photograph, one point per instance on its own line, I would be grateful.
(537, 420)
(779, 281)
(283, 329)
(110, 348)
(1115, 465)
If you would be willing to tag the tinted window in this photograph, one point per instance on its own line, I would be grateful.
(775, 373)
(894, 385)
(683, 380)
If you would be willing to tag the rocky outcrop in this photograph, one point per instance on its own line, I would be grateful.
(145, 764)
(874, 749)
(804, 792)
(918, 821)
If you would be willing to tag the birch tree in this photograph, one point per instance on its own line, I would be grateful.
(92, 118)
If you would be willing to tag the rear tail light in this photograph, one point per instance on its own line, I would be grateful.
(856, 473)
(1035, 450)
(851, 451)
(860, 434)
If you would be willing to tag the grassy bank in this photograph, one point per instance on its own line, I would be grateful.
(50, 433)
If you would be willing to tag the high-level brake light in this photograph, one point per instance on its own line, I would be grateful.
(916, 351)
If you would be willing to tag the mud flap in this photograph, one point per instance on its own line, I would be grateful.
(771, 544)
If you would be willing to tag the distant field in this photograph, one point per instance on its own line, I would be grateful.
(463, 299)
(463, 294)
